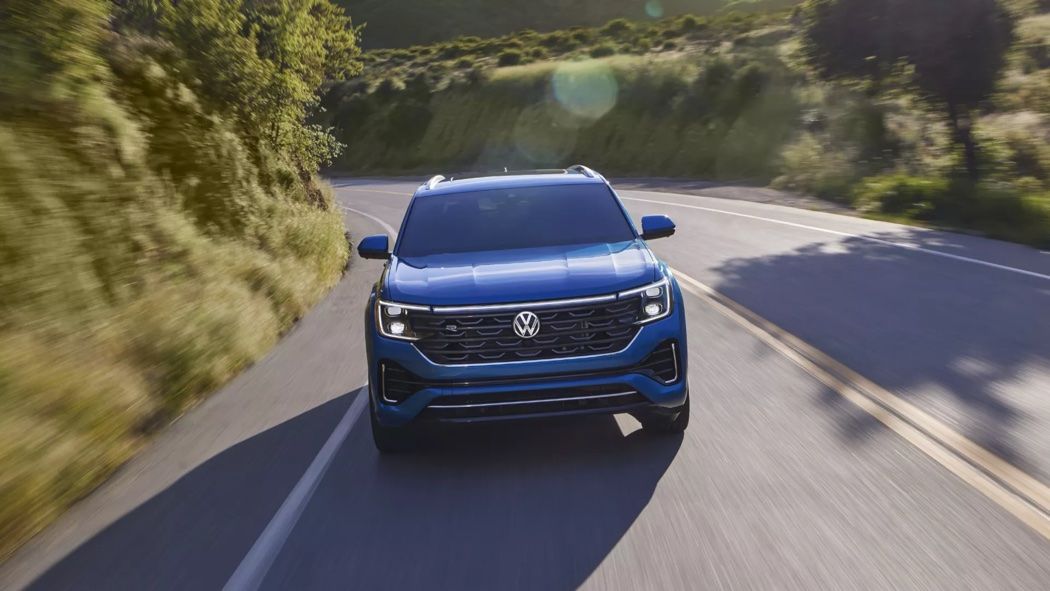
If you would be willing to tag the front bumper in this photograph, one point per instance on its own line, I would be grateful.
(612, 382)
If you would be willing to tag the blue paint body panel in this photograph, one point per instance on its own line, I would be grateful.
(524, 275)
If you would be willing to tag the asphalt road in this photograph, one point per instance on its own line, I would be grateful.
(780, 483)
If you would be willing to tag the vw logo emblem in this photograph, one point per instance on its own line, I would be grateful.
(526, 325)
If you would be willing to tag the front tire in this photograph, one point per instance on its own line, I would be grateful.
(389, 440)
(668, 423)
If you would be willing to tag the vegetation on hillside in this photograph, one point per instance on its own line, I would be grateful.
(401, 23)
(760, 97)
(160, 224)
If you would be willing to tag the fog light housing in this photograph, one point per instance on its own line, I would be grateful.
(653, 309)
(397, 328)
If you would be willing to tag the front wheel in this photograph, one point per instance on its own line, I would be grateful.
(664, 422)
(389, 439)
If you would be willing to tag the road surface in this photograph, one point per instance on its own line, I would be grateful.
(781, 481)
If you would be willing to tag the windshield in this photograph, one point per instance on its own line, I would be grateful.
(504, 219)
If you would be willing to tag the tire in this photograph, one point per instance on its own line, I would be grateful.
(668, 423)
(389, 440)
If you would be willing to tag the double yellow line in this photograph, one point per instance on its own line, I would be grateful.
(1025, 497)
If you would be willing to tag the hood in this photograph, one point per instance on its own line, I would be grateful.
(523, 275)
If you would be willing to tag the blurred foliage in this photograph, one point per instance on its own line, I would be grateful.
(736, 96)
(994, 209)
(401, 23)
(952, 51)
(711, 118)
(160, 223)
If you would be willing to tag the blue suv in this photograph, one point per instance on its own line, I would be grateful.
(522, 295)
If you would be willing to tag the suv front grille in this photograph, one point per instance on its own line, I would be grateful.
(572, 330)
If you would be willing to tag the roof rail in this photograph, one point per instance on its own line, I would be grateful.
(433, 182)
(581, 169)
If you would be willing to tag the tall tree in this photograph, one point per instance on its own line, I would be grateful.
(952, 51)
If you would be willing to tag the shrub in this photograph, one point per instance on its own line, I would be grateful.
(557, 39)
(688, 23)
(616, 28)
(602, 50)
(1000, 211)
(452, 51)
(809, 166)
(669, 45)
(899, 194)
(510, 58)
(538, 53)
(464, 63)
(582, 36)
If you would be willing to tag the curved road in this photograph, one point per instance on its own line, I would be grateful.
(781, 481)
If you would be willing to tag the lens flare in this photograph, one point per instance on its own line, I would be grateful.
(585, 89)
(654, 9)
(545, 134)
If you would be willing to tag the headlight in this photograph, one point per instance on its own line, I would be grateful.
(393, 320)
(656, 300)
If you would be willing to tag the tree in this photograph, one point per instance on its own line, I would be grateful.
(951, 51)
(263, 60)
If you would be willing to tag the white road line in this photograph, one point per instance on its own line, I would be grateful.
(253, 568)
(387, 227)
(1022, 495)
(910, 247)
(356, 188)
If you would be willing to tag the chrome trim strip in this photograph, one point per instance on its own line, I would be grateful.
(382, 385)
(630, 292)
(405, 306)
(525, 305)
(540, 401)
(530, 305)
(674, 355)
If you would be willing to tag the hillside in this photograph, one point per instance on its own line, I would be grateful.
(160, 222)
(400, 23)
(728, 97)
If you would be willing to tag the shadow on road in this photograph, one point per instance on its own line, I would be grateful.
(527, 505)
(194, 533)
(948, 335)
(523, 506)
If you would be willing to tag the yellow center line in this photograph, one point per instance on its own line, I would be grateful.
(1022, 495)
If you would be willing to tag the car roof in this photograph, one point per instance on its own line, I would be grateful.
(538, 178)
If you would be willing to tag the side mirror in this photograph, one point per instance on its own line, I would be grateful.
(657, 226)
(374, 247)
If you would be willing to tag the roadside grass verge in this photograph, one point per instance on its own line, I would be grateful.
(151, 244)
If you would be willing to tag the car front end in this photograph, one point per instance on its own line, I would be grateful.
(522, 297)
(616, 352)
